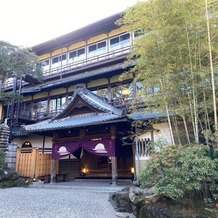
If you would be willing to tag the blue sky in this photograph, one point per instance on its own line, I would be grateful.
(31, 22)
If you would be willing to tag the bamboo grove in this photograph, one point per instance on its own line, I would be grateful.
(177, 56)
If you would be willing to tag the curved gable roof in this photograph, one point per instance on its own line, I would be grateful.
(101, 112)
(91, 99)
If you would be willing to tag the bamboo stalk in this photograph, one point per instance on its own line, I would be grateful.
(211, 66)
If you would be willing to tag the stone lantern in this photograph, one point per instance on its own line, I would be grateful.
(4, 136)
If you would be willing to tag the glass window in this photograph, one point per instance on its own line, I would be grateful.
(45, 64)
(72, 54)
(114, 41)
(92, 48)
(26, 110)
(122, 93)
(52, 105)
(59, 59)
(64, 57)
(54, 60)
(57, 104)
(61, 103)
(26, 144)
(125, 40)
(77, 54)
(125, 37)
(120, 41)
(40, 109)
(97, 48)
(102, 45)
(103, 93)
(42, 106)
(81, 52)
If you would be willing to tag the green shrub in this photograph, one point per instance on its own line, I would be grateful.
(178, 170)
(2, 159)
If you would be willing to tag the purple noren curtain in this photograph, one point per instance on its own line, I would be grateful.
(104, 147)
(63, 149)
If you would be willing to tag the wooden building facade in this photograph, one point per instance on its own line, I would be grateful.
(81, 109)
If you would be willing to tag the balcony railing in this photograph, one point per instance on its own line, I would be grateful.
(76, 64)
(87, 61)
(34, 116)
(38, 116)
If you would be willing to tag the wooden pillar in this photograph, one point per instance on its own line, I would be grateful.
(114, 170)
(43, 144)
(137, 157)
(35, 153)
(109, 92)
(134, 158)
(114, 159)
(53, 170)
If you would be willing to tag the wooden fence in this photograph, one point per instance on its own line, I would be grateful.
(33, 162)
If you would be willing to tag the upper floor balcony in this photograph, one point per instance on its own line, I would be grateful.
(90, 56)
(65, 68)
(119, 96)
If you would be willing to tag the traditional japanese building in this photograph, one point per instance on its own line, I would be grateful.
(81, 109)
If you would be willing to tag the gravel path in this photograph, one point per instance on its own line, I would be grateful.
(57, 202)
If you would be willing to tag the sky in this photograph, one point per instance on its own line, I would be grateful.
(31, 22)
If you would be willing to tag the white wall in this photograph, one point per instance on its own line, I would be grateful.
(161, 133)
(36, 141)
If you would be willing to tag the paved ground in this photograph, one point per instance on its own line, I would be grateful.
(68, 200)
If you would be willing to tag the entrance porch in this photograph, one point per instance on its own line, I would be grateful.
(35, 164)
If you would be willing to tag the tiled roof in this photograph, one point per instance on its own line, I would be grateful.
(76, 77)
(142, 115)
(96, 101)
(65, 119)
(82, 34)
(72, 122)
(92, 100)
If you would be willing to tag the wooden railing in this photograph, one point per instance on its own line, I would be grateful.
(38, 116)
(86, 61)
(75, 64)
(33, 162)
(143, 148)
